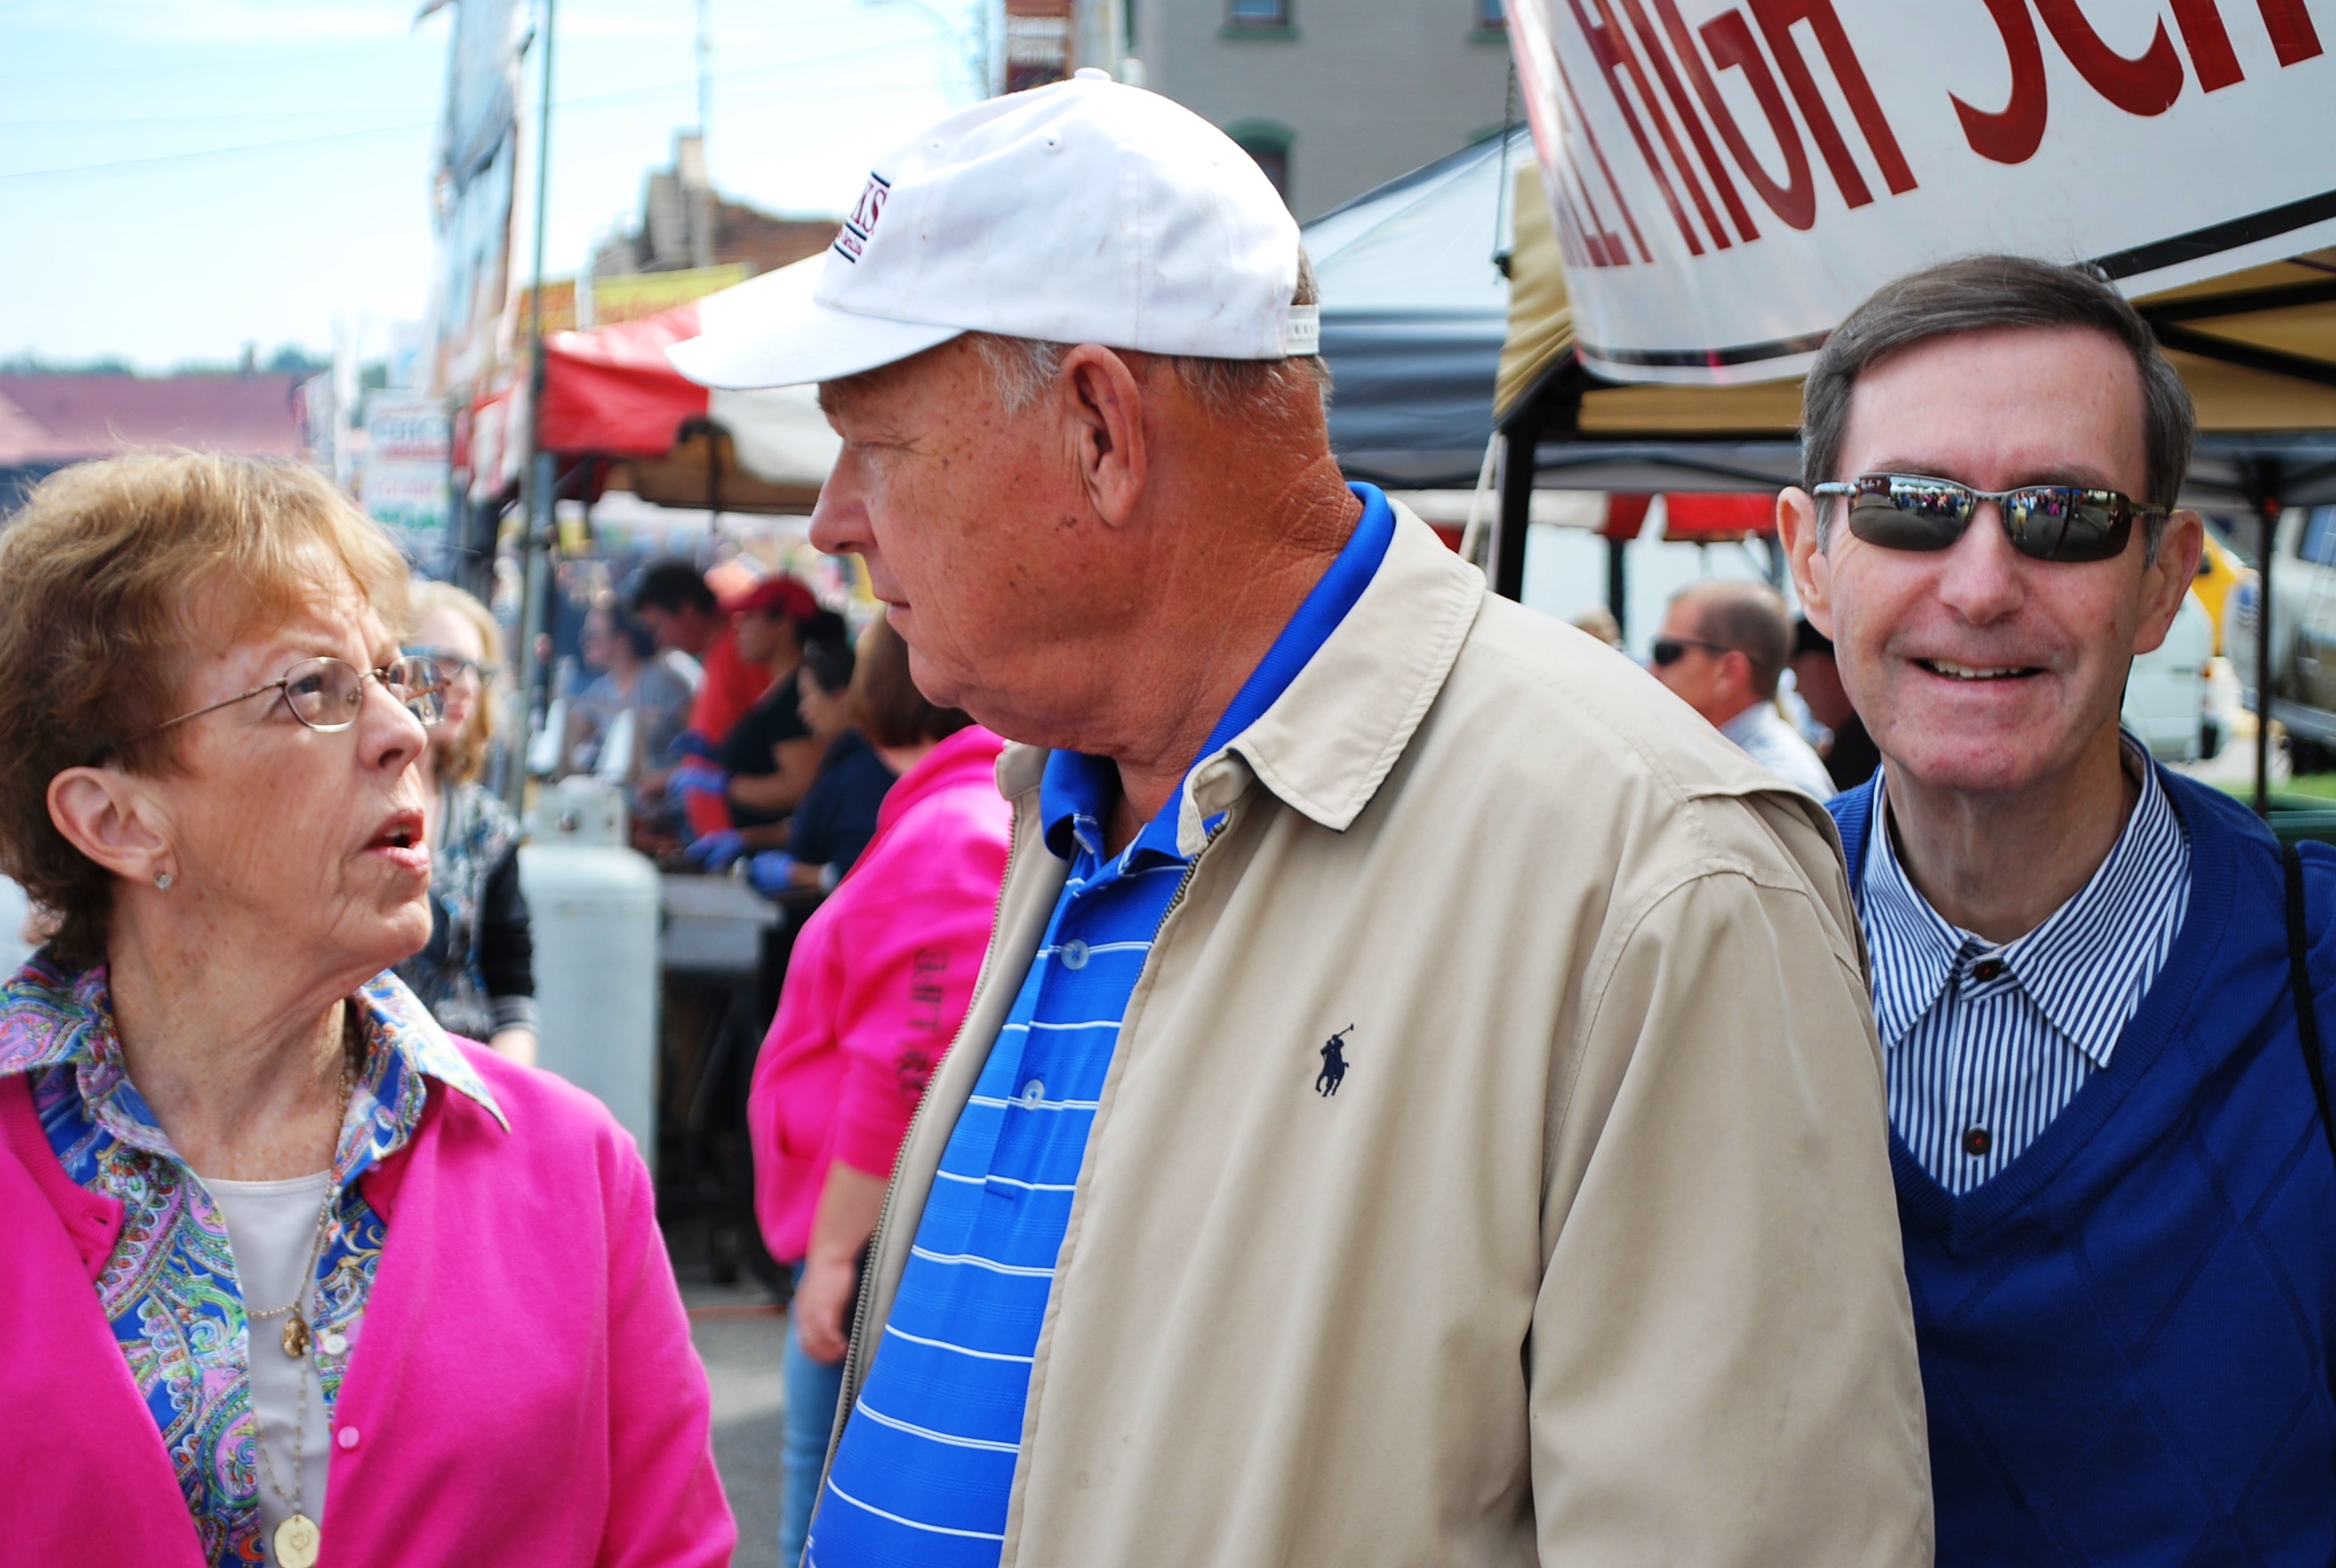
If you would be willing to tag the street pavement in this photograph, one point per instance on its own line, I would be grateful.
(738, 1333)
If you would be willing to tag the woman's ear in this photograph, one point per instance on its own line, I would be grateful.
(112, 818)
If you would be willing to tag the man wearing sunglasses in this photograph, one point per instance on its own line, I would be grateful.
(2096, 983)
(1722, 649)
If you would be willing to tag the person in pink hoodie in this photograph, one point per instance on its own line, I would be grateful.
(879, 979)
(286, 1271)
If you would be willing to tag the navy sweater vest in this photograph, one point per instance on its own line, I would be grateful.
(2125, 1334)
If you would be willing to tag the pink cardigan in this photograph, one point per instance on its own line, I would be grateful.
(879, 983)
(524, 1390)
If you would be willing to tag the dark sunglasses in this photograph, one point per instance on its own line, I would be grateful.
(1668, 650)
(2047, 522)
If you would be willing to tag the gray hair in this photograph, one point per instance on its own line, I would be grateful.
(1023, 369)
(1989, 294)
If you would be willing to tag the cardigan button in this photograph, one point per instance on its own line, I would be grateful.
(1976, 1141)
(346, 1438)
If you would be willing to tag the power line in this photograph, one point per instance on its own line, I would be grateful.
(588, 101)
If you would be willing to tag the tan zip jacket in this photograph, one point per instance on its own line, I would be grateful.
(1592, 1257)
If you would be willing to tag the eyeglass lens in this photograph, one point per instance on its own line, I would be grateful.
(2049, 522)
(325, 693)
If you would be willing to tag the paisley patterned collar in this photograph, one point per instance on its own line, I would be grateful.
(52, 1017)
(169, 1288)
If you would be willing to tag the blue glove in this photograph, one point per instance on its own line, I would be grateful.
(716, 850)
(699, 777)
(773, 872)
(690, 743)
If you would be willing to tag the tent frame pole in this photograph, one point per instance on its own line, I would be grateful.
(2262, 477)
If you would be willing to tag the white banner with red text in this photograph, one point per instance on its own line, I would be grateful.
(1730, 178)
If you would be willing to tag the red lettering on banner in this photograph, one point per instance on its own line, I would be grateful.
(1729, 38)
(2012, 134)
(2146, 84)
(1620, 257)
(2209, 45)
(1687, 118)
(1777, 18)
(2293, 36)
(1612, 52)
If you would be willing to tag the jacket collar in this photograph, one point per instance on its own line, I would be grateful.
(1331, 739)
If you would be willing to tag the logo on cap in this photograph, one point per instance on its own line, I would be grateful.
(853, 238)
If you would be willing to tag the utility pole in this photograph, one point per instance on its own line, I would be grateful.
(536, 538)
(704, 71)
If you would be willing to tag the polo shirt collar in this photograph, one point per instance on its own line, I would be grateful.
(2094, 945)
(1076, 790)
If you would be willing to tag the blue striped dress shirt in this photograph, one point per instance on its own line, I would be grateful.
(925, 1465)
(1985, 1043)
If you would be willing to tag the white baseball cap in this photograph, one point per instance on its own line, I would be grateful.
(1084, 211)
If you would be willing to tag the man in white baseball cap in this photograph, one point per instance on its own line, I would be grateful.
(1420, 1103)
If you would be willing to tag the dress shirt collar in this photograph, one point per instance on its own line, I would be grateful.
(2092, 947)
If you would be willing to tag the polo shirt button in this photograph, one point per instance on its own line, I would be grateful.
(1075, 955)
(1976, 1141)
(1987, 969)
(1034, 1095)
(346, 1438)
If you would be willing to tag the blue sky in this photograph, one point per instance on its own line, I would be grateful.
(178, 178)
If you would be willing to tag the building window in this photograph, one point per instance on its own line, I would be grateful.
(1492, 19)
(1268, 143)
(1257, 13)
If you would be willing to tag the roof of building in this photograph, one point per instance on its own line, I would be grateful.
(49, 419)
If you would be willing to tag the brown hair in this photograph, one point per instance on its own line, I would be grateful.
(466, 754)
(1746, 617)
(1991, 294)
(117, 572)
(885, 702)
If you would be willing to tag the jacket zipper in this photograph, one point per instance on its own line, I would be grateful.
(862, 1310)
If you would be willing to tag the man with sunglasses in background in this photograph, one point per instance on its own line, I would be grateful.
(1722, 649)
(2096, 981)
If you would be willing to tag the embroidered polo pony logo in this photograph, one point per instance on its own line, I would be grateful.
(1334, 1064)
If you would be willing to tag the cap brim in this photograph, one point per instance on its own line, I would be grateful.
(771, 332)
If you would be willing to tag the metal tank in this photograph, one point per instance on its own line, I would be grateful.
(594, 906)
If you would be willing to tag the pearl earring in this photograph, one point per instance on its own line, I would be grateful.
(162, 881)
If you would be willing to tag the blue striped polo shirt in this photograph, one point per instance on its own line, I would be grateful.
(927, 1459)
(1985, 1043)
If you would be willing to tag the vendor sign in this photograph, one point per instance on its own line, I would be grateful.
(408, 458)
(1729, 178)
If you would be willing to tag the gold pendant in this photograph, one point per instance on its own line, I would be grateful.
(295, 1341)
(297, 1541)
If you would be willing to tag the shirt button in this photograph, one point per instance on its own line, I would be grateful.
(1034, 1093)
(1976, 1141)
(1987, 969)
(1075, 955)
(337, 1343)
(346, 1438)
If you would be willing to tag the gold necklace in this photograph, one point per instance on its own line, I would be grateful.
(298, 1539)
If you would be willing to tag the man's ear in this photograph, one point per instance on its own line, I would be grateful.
(110, 817)
(1796, 525)
(1104, 404)
(2167, 581)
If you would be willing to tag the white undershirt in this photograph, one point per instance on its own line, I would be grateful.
(272, 1226)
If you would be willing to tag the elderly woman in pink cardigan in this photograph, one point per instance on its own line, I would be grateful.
(284, 1270)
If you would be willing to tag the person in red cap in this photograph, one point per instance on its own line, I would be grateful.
(740, 797)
